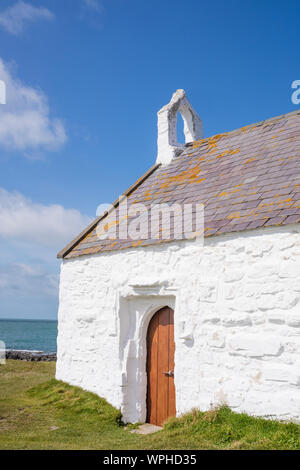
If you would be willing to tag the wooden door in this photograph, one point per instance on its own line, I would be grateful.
(161, 403)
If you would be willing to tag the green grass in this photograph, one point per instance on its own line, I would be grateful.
(38, 412)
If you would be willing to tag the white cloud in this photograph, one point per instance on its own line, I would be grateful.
(25, 279)
(15, 18)
(31, 234)
(46, 225)
(92, 12)
(94, 5)
(25, 122)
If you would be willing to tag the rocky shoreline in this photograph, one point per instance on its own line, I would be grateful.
(30, 355)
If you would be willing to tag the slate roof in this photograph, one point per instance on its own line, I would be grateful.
(247, 178)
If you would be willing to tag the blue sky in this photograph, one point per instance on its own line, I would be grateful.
(85, 79)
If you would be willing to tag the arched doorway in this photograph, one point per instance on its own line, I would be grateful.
(161, 400)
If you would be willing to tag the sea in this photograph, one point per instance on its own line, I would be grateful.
(29, 335)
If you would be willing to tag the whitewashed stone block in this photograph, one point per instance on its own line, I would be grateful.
(233, 275)
(293, 319)
(259, 270)
(216, 339)
(278, 317)
(236, 319)
(208, 293)
(255, 345)
(289, 269)
(282, 374)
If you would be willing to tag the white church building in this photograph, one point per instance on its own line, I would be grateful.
(160, 325)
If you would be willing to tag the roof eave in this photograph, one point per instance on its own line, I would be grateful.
(70, 246)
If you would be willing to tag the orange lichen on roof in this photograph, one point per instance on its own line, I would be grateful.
(282, 201)
(211, 142)
(110, 224)
(226, 193)
(234, 190)
(186, 176)
(234, 215)
(138, 243)
(250, 160)
(227, 152)
(197, 143)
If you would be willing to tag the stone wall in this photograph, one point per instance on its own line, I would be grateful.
(32, 356)
(237, 322)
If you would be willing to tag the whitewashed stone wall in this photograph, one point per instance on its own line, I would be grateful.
(237, 322)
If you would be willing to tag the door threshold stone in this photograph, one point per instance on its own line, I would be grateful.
(146, 428)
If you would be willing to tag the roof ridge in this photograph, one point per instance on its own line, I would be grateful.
(248, 126)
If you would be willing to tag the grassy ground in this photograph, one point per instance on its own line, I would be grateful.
(38, 412)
